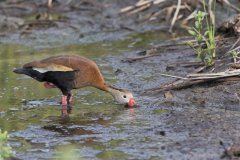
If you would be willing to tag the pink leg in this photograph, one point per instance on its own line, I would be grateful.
(64, 105)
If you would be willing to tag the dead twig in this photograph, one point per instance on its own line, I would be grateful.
(139, 9)
(138, 5)
(147, 53)
(190, 63)
(130, 60)
(197, 78)
(232, 47)
(179, 84)
(202, 76)
(159, 9)
(175, 15)
(49, 3)
(172, 76)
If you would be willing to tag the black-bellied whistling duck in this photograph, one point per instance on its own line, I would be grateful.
(68, 72)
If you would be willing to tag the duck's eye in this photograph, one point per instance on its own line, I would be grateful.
(124, 96)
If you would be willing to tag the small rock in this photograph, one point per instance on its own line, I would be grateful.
(168, 96)
(232, 151)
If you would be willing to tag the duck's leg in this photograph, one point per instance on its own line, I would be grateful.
(69, 101)
(64, 105)
(49, 85)
(66, 100)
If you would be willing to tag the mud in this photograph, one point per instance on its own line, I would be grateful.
(197, 118)
(75, 22)
(199, 122)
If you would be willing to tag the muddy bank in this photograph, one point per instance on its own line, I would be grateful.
(74, 22)
(190, 125)
(198, 118)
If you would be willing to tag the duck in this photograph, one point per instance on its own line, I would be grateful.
(68, 72)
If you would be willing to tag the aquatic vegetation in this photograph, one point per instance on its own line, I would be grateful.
(69, 153)
(5, 150)
(205, 38)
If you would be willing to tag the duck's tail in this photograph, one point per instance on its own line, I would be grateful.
(19, 71)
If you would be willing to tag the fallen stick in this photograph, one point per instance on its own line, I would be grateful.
(140, 4)
(194, 79)
(172, 76)
(179, 84)
(189, 63)
(175, 15)
(130, 60)
(201, 76)
(137, 5)
(139, 9)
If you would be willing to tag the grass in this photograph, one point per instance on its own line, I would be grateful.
(235, 55)
(5, 150)
(205, 38)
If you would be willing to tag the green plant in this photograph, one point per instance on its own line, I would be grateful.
(205, 39)
(5, 150)
(235, 55)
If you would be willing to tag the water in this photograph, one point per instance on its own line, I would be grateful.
(97, 127)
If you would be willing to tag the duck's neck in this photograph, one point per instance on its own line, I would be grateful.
(110, 89)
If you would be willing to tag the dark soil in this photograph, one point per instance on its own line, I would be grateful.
(196, 120)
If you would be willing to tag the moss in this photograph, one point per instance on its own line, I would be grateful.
(110, 155)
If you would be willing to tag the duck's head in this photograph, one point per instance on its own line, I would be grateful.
(123, 96)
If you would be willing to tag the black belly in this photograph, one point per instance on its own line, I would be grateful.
(63, 80)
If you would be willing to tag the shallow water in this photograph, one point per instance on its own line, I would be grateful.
(97, 127)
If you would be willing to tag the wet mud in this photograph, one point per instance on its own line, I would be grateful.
(198, 122)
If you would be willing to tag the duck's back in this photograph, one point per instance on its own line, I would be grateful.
(86, 72)
(72, 62)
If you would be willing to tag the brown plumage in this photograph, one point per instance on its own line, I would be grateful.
(68, 72)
